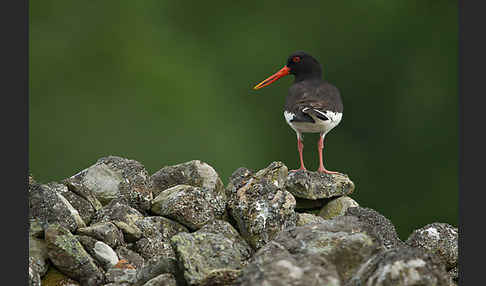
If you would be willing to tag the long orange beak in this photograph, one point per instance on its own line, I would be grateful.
(281, 73)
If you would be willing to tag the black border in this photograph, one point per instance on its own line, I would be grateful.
(472, 144)
(14, 23)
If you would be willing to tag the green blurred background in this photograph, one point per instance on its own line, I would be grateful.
(165, 82)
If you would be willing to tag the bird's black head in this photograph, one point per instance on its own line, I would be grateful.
(302, 65)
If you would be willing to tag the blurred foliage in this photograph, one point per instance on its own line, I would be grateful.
(164, 82)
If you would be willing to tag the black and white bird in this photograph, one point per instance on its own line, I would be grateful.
(313, 105)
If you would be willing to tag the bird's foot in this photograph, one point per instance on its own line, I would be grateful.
(323, 170)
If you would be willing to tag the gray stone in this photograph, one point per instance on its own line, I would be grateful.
(130, 256)
(307, 204)
(166, 279)
(193, 173)
(155, 246)
(69, 256)
(277, 267)
(104, 231)
(131, 233)
(36, 227)
(438, 238)
(344, 242)
(83, 206)
(337, 206)
(48, 206)
(191, 206)
(105, 254)
(402, 266)
(209, 258)
(38, 258)
(113, 177)
(316, 185)
(306, 218)
(118, 210)
(259, 205)
(380, 224)
(121, 275)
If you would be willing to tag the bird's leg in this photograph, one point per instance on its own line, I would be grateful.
(300, 146)
(320, 146)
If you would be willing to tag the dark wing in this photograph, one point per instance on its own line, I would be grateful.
(316, 99)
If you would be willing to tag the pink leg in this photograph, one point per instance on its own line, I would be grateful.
(300, 146)
(321, 169)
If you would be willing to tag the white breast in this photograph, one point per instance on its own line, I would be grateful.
(320, 126)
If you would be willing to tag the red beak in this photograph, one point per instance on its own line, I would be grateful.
(281, 73)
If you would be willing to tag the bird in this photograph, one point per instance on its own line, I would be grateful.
(313, 105)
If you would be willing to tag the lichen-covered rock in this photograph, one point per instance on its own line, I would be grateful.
(209, 258)
(381, 225)
(104, 231)
(305, 218)
(259, 204)
(49, 206)
(130, 256)
(69, 256)
(155, 246)
(226, 229)
(191, 206)
(193, 173)
(337, 207)
(83, 206)
(166, 279)
(131, 233)
(438, 238)
(56, 278)
(38, 259)
(402, 266)
(344, 241)
(113, 177)
(121, 275)
(277, 267)
(316, 185)
(36, 227)
(118, 210)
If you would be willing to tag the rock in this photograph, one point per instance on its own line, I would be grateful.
(454, 274)
(259, 204)
(191, 206)
(105, 254)
(133, 258)
(113, 177)
(305, 218)
(193, 173)
(69, 256)
(83, 206)
(337, 207)
(226, 229)
(402, 266)
(38, 258)
(121, 275)
(104, 231)
(36, 228)
(438, 238)
(381, 225)
(119, 211)
(155, 246)
(56, 278)
(34, 278)
(209, 258)
(166, 279)
(344, 242)
(316, 185)
(131, 233)
(277, 267)
(49, 206)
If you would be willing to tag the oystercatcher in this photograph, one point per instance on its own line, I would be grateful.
(313, 105)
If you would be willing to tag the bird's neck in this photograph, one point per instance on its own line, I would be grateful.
(316, 75)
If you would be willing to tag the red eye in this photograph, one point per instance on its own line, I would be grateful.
(296, 59)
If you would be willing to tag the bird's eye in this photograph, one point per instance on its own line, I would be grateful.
(296, 59)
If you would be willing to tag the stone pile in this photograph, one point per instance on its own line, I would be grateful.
(113, 224)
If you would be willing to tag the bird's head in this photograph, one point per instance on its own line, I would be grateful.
(300, 64)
